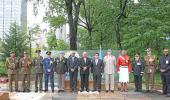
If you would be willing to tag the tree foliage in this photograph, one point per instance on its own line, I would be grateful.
(16, 40)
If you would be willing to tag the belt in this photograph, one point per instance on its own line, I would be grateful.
(124, 66)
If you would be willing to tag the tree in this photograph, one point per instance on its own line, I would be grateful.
(147, 25)
(56, 44)
(16, 40)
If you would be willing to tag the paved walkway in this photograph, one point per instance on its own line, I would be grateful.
(130, 95)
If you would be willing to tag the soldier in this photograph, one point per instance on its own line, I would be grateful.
(109, 70)
(48, 66)
(124, 68)
(12, 66)
(72, 64)
(61, 68)
(138, 70)
(164, 67)
(150, 67)
(37, 63)
(85, 64)
(97, 69)
(25, 65)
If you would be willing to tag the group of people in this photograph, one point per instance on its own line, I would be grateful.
(98, 67)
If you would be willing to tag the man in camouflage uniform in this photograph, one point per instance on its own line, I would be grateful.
(25, 65)
(12, 66)
(150, 68)
(37, 63)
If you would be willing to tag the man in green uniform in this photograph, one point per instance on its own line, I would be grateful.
(37, 63)
(25, 65)
(12, 66)
(150, 67)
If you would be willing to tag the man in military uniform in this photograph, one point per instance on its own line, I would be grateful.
(72, 64)
(48, 66)
(150, 67)
(12, 66)
(37, 63)
(25, 65)
(164, 67)
(61, 68)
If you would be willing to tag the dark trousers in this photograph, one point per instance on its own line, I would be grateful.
(97, 82)
(138, 82)
(73, 79)
(84, 81)
(164, 86)
(168, 82)
(38, 78)
(47, 76)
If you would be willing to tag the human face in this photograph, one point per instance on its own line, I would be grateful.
(109, 53)
(62, 55)
(96, 56)
(38, 53)
(165, 52)
(123, 52)
(149, 52)
(12, 54)
(85, 54)
(137, 57)
(25, 55)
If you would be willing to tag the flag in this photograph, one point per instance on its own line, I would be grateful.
(100, 53)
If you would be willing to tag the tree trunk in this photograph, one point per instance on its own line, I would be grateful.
(73, 21)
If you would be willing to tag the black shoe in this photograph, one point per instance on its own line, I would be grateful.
(147, 91)
(164, 93)
(112, 91)
(107, 91)
(93, 90)
(59, 91)
(52, 91)
(87, 90)
(81, 90)
(45, 90)
(36, 90)
(168, 95)
(99, 90)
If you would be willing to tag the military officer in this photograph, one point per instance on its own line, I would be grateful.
(138, 70)
(25, 65)
(150, 66)
(61, 68)
(12, 66)
(37, 63)
(48, 66)
(164, 67)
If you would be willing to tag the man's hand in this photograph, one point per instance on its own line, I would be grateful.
(162, 70)
(72, 69)
(84, 68)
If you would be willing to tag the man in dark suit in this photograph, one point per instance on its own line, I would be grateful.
(164, 67)
(72, 64)
(97, 69)
(85, 64)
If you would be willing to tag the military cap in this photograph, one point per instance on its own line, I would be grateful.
(36, 51)
(12, 52)
(48, 52)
